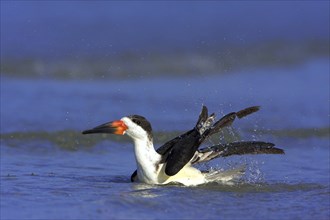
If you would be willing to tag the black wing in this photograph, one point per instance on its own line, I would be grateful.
(235, 148)
(176, 153)
(181, 152)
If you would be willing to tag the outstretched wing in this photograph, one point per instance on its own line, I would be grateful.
(235, 148)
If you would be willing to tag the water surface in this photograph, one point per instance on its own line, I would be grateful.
(50, 170)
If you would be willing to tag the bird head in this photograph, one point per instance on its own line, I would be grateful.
(135, 126)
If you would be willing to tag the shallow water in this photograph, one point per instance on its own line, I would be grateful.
(95, 184)
(50, 170)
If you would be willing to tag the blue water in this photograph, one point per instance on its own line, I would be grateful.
(296, 97)
(80, 28)
(50, 171)
(162, 60)
(95, 184)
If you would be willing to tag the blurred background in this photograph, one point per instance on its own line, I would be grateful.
(113, 39)
(69, 64)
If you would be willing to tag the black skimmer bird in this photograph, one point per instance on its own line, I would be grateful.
(173, 162)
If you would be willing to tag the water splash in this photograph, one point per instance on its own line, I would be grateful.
(240, 171)
(253, 173)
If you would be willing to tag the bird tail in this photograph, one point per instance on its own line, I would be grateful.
(206, 126)
(225, 176)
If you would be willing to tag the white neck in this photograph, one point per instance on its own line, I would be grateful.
(147, 159)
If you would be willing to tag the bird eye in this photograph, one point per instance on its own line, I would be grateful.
(136, 121)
